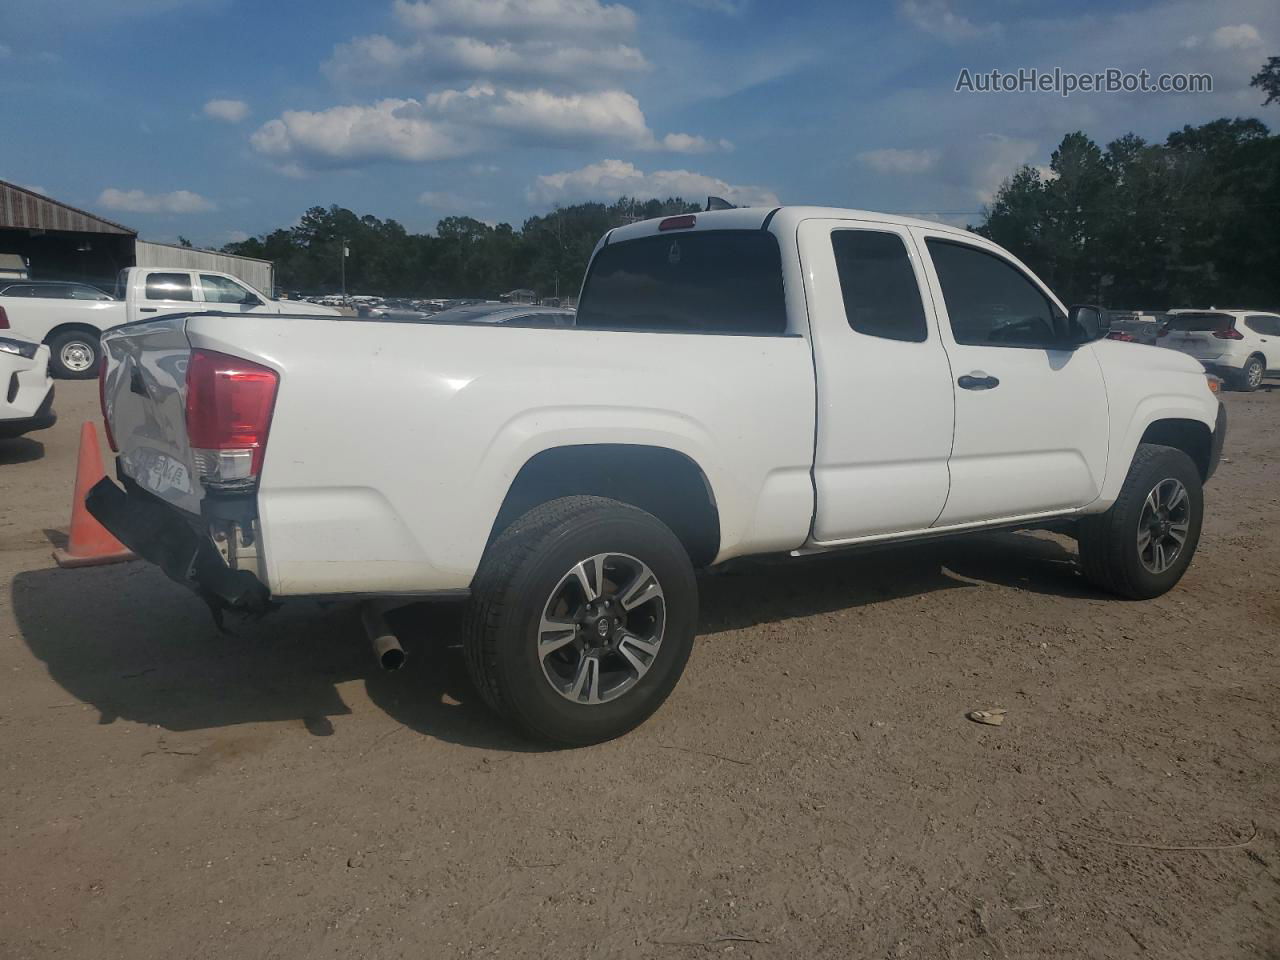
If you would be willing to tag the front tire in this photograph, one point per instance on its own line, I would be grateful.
(582, 618)
(75, 355)
(1143, 545)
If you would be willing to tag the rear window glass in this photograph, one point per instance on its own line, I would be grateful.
(716, 281)
(1201, 322)
(168, 286)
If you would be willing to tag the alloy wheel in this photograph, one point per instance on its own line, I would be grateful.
(1163, 525)
(601, 628)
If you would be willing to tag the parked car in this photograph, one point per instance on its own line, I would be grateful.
(1241, 346)
(53, 290)
(71, 326)
(1134, 327)
(26, 390)
(790, 382)
(522, 314)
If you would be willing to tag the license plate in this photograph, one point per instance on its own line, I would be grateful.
(159, 472)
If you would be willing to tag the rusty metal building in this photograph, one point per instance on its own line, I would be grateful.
(61, 242)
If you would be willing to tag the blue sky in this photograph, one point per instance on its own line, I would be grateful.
(221, 118)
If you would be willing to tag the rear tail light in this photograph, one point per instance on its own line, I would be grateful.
(1227, 331)
(4, 319)
(229, 406)
(102, 402)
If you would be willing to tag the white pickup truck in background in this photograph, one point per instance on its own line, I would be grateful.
(72, 325)
(740, 382)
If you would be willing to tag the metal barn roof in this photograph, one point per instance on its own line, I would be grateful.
(24, 209)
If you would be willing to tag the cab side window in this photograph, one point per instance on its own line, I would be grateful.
(878, 285)
(990, 302)
(168, 286)
(221, 290)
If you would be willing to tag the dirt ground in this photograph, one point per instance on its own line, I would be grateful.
(812, 788)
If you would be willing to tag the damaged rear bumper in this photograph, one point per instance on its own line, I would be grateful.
(178, 544)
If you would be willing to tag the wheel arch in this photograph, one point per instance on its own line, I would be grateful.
(72, 327)
(1192, 437)
(659, 480)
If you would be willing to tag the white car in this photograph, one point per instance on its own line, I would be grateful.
(26, 390)
(72, 326)
(1241, 346)
(740, 382)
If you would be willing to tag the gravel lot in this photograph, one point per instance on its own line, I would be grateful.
(812, 789)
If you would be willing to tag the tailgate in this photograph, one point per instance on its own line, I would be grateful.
(144, 398)
(1199, 334)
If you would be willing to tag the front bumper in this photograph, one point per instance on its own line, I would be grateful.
(42, 419)
(177, 543)
(1216, 441)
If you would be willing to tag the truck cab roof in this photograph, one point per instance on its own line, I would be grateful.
(780, 218)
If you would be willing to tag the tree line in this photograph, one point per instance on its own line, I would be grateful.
(464, 258)
(1192, 221)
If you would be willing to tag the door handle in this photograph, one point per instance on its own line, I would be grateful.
(977, 381)
(147, 309)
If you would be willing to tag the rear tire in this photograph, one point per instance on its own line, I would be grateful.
(1133, 550)
(1249, 379)
(75, 355)
(575, 684)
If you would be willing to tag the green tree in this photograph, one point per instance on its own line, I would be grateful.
(1268, 80)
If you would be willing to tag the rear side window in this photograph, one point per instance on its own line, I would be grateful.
(168, 286)
(881, 295)
(990, 302)
(26, 291)
(1263, 324)
(716, 281)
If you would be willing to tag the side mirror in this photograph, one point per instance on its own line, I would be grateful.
(251, 301)
(1087, 323)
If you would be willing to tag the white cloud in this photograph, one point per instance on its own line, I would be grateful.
(691, 143)
(940, 19)
(554, 19)
(237, 236)
(611, 179)
(378, 59)
(453, 123)
(139, 201)
(1242, 36)
(349, 135)
(978, 165)
(531, 72)
(230, 111)
(899, 161)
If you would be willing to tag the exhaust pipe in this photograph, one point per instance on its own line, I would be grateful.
(385, 645)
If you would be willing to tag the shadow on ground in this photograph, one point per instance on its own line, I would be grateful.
(19, 450)
(136, 646)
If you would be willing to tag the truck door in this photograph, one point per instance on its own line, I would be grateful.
(164, 291)
(885, 403)
(1030, 405)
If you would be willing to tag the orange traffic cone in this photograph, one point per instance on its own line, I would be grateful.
(90, 543)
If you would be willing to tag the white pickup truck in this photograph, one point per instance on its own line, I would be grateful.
(740, 382)
(72, 324)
